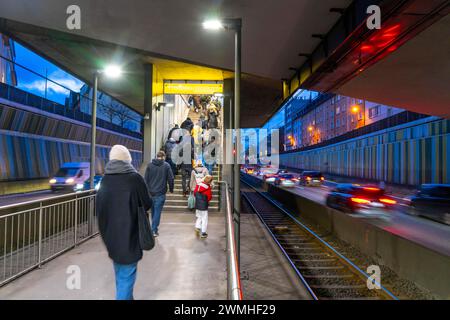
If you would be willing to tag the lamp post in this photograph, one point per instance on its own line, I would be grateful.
(236, 26)
(111, 71)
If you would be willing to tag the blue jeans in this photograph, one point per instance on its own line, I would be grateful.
(125, 279)
(157, 206)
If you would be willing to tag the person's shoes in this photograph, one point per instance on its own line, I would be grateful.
(204, 235)
(155, 234)
(198, 231)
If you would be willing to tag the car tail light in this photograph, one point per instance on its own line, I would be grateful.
(360, 200)
(308, 178)
(371, 189)
(388, 201)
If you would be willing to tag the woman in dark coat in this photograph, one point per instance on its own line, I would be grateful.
(122, 192)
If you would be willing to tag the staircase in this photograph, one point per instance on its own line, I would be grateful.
(175, 202)
(194, 115)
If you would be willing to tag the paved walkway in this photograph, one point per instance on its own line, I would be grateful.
(181, 266)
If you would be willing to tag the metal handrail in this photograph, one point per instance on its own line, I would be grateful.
(234, 289)
(42, 229)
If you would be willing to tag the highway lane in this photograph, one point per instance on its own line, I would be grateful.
(428, 233)
(24, 197)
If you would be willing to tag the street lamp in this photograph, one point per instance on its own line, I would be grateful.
(356, 109)
(110, 71)
(235, 25)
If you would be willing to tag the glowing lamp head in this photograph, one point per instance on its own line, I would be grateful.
(355, 109)
(112, 71)
(213, 24)
(310, 128)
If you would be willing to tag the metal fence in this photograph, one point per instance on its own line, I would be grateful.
(32, 233)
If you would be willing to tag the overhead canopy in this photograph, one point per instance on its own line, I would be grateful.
(169, 34)
(415, 77)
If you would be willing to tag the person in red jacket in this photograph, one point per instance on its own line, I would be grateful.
(203, 195)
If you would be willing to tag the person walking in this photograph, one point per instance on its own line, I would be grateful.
(203, 196)
(168, 148)
(197, 175)
(172, 132)
(187, 125)
(123, 191)
(186, 164)
(157, 176)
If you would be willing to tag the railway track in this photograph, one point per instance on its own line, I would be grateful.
(325, 272)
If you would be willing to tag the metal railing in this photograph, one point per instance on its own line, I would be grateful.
(234, 289)
(31, 233)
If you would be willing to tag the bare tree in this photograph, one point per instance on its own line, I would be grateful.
(108, 111)
(123, 113)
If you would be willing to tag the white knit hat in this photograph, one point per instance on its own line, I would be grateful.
(119, 152)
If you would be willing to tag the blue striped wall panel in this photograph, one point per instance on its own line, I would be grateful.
(23, 158)
(413, 155)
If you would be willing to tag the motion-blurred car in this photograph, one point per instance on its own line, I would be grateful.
(432, 201)
(262, 171)
(87, 184)
(353, 198)
(311, 178)
(271, 177)
(286, 180)
(249, 170)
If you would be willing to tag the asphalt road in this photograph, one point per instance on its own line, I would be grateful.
(24, 197)
(429, 233)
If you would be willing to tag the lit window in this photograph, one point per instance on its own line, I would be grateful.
(374, 111)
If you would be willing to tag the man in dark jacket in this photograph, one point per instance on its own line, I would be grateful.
(157, 176)
(186, 161)
(187, 125)
(122, 192)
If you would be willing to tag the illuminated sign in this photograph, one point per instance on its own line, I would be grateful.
(192, 88)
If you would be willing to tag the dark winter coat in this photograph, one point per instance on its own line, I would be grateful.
(203, 196)
(168, 148)
(188, 164)
(157, 175)
(171, 132)
(121, 193)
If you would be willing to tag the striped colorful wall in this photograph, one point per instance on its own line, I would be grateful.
(25, 158)
(19, 119)
(409, 154)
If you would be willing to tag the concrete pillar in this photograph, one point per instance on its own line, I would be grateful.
(148, 106)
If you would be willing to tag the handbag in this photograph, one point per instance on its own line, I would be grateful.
(146, 239)
(191, 201)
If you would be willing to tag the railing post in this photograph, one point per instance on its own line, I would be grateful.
(40, 235)
(75, 223)
(91, 215)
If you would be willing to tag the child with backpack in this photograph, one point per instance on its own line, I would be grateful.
(203, 195)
